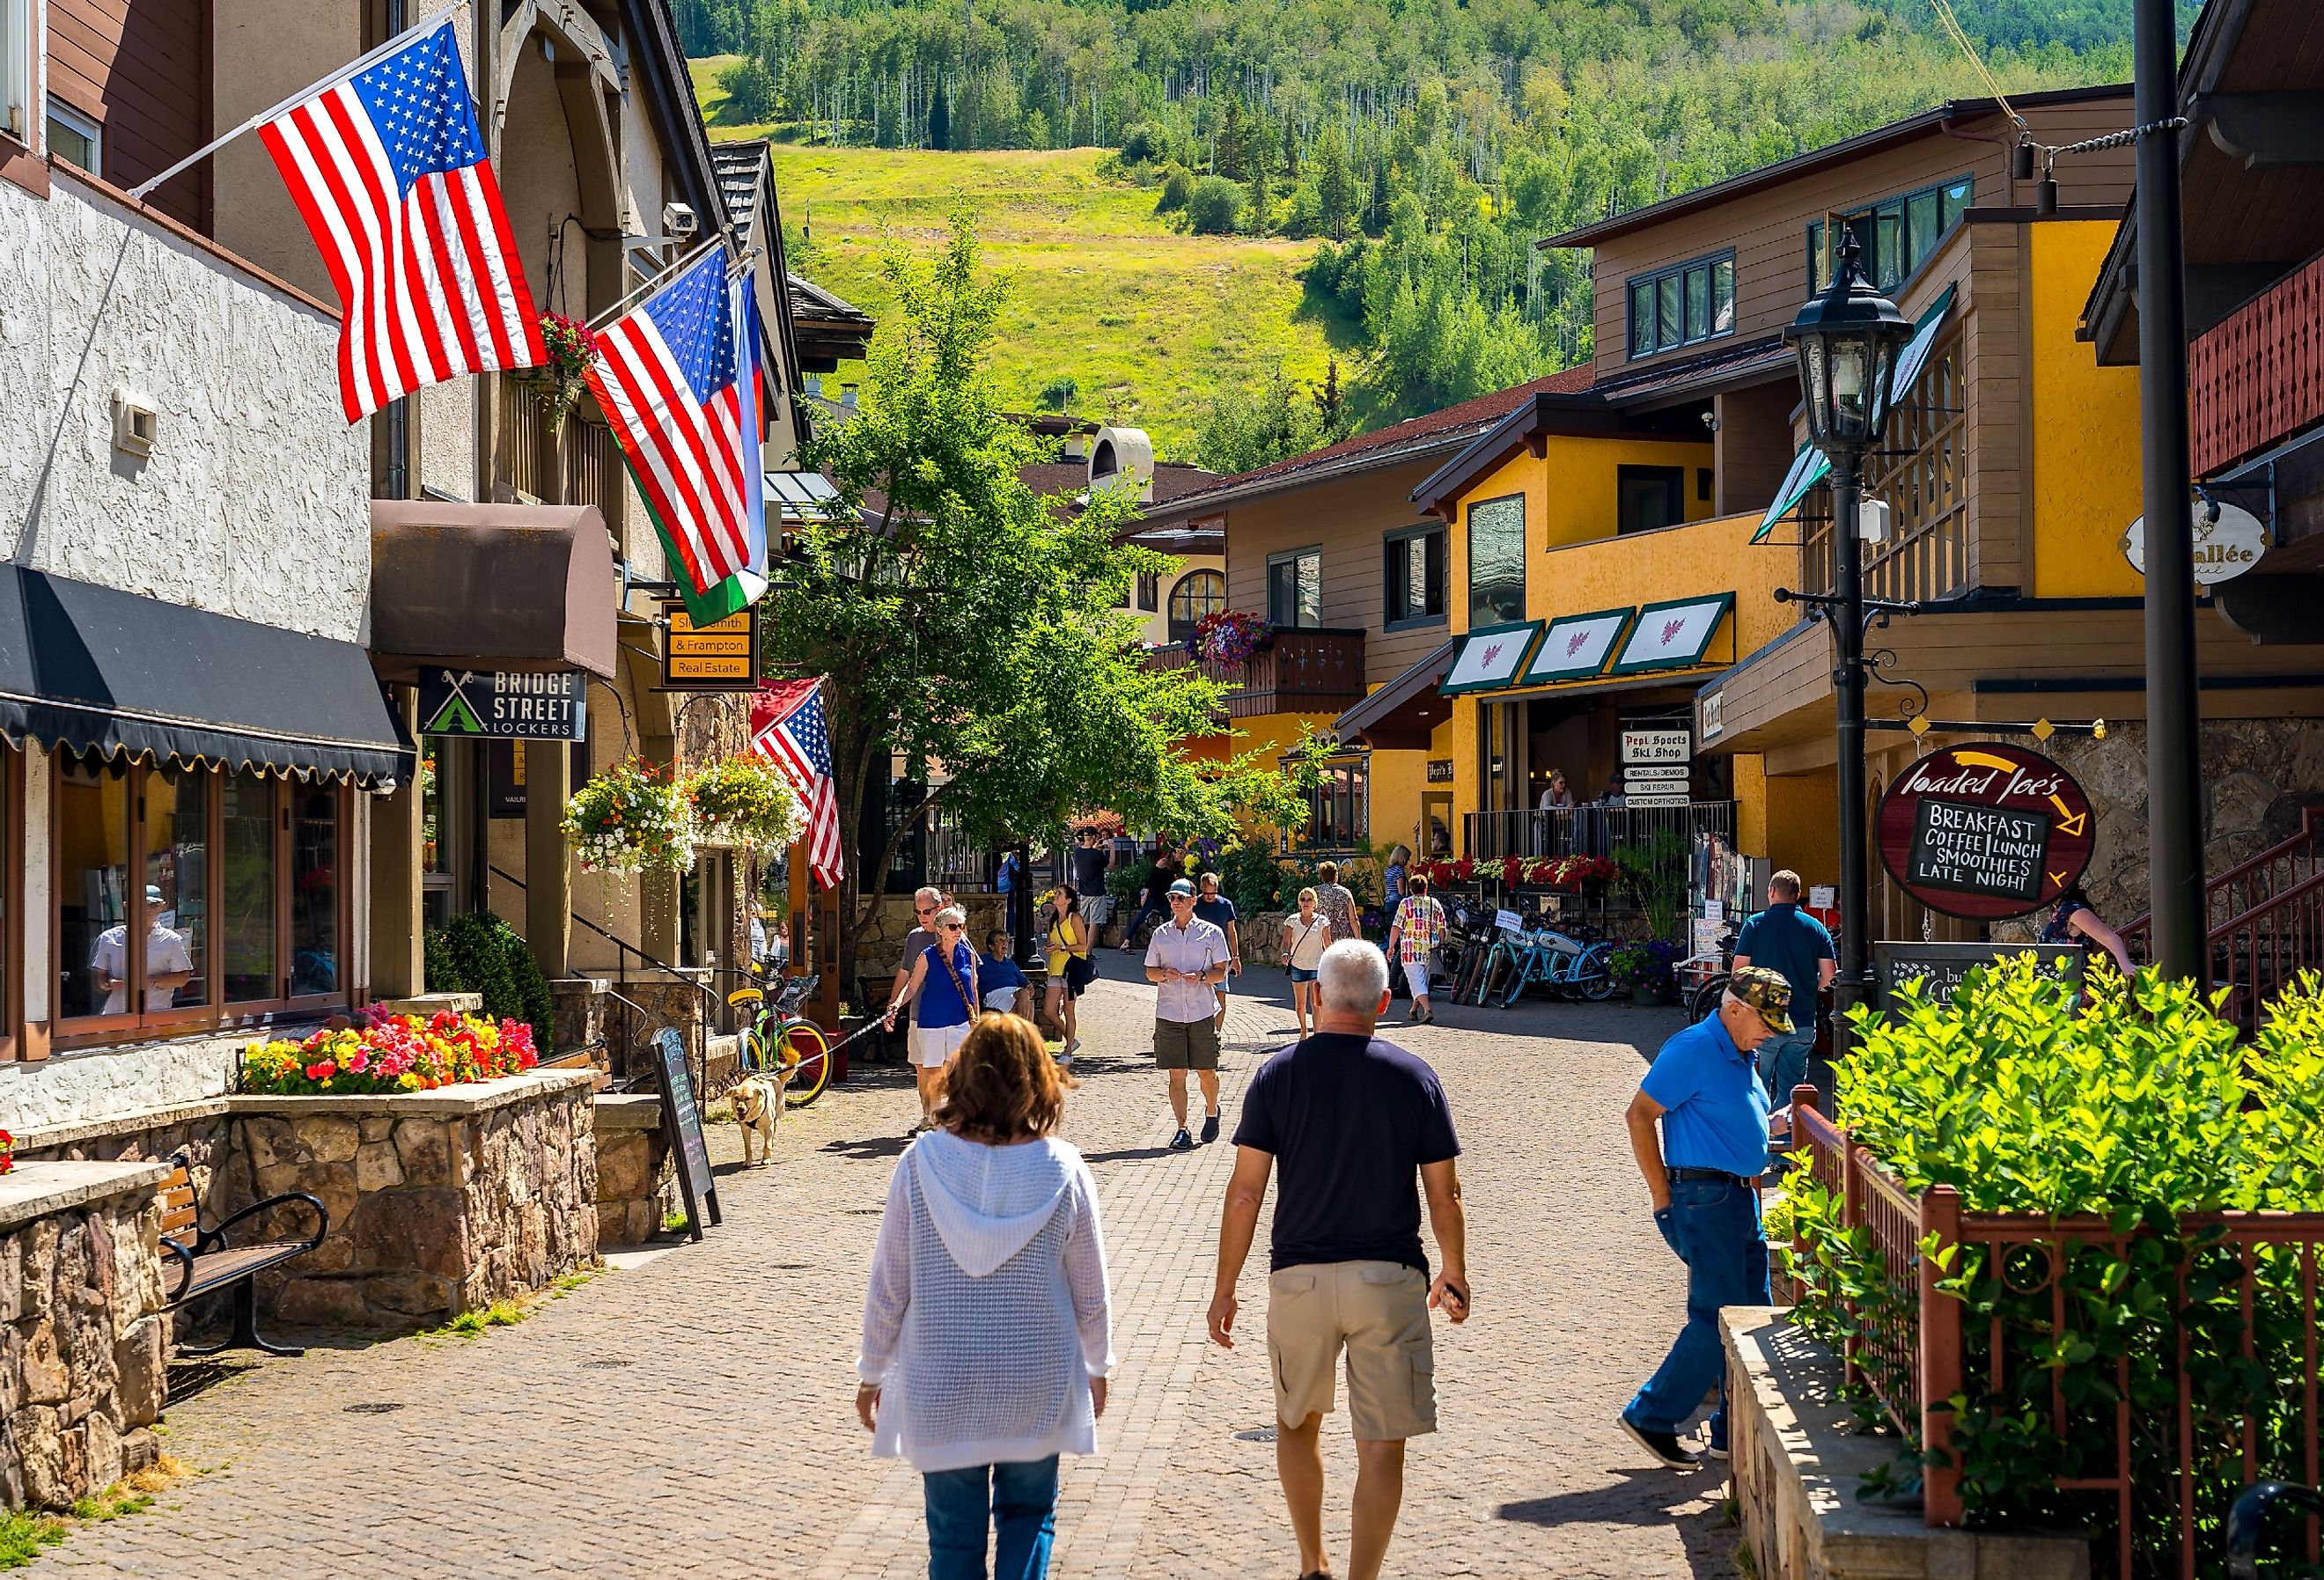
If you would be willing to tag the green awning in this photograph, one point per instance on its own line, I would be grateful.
(1490, 657)
(1810, 465)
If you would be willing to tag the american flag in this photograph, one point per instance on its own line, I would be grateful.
(786, 728)
(390, 170)
(677, 387)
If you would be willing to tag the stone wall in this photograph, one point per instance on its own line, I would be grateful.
(83, 1341)
(579, 1014)
(441, 1202)
(2257, 776)
(102, 1085)
(636, 1181)
(882, 944)
(674, 1002)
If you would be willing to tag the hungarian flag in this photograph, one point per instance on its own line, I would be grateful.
(677, 378)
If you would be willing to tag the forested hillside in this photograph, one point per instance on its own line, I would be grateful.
(1429, 141)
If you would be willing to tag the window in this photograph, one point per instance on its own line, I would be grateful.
(1339, 809)
(1682, 305)
(1649, 497)
(1150, 592)
(1496, 566)
(1895, 235)
(74, 138)
(16, 71)
(1197, 594)
(232, 883)
(1294, 587)
(1413, 573)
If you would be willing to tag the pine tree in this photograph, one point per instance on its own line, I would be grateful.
(939, 119)
(1335, 191)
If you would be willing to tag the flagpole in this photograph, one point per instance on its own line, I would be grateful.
(656, 283)
(341, 75)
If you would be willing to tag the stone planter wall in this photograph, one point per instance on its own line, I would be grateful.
(83, 1340)
(580, 1005)
(441, 1202)
(666, 1002)
(636, 1182)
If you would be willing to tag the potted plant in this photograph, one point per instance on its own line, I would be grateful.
(572, 348)
(1635, 966)
(745, 803)
(374, 1051)
(633, 817)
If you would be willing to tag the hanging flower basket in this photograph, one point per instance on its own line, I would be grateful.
(747, 803)
(1228, 637)
(633, 817)
(572, 348)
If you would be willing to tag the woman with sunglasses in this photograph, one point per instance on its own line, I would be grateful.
(941, 988)
(1069, 964)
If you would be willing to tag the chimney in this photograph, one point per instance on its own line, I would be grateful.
(847, 396)
(815, 383)
(1125, 454)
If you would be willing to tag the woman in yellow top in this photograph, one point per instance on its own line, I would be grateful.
(1070, 970)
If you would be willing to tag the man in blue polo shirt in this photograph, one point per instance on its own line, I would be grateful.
(1701, 1174)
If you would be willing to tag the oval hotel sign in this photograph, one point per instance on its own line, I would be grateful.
(1985, 831)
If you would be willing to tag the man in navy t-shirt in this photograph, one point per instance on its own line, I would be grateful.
(1346, 1123)
(1798, 947)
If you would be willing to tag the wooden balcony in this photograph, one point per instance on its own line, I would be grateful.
(2257, 378)
(579, 463)
(1302, 670)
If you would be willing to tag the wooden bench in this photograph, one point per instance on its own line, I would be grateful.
(210, 1261)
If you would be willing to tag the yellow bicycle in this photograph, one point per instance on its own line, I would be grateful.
(778, 1037)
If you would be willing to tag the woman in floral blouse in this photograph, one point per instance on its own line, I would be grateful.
(1412, 938)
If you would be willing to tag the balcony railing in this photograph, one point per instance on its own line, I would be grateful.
(579, 463)
(1923, 472)
(2258, 377)
(1302, 670)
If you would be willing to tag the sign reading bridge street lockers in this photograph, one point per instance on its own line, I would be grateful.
(503, 707)
(1985, 831)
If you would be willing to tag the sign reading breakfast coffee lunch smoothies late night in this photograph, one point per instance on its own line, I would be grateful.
(1985, 831)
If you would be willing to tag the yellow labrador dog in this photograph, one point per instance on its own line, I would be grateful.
(758, 1099)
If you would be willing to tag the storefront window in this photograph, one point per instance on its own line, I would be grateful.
(247, 851)
(176, 850)
(89, 821)
(1339, 807)
(314, 890)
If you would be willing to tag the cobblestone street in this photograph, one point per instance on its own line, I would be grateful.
(693, 1414)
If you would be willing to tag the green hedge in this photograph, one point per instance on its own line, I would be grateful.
(2139, 1107)
(481, 953)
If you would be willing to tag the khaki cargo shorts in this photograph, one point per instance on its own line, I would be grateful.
(1186, 1044)
(1377, 1311)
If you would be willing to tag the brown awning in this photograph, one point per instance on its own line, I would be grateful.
(517, 588)
(1400, 715)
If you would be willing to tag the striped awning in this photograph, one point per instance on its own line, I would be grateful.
(1810, 465)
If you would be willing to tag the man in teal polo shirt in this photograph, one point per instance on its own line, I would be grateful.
(1702, 1173)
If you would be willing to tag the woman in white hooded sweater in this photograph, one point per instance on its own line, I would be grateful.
(987, 1330)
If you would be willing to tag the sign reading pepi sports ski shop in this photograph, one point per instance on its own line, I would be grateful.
(1985, 831)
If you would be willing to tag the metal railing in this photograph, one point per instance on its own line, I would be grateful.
(2263, 918)
(1590, 830)
(2155, 1468)
(1302, 670)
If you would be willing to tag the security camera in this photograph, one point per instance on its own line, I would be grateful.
(678, 219)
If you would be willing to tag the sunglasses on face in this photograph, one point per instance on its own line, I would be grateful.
(951, 927)
(924, 910)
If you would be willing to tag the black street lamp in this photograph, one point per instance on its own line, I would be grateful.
(1847, 340)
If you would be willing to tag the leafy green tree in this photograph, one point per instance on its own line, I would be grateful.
(967, 623)
(1177, 189)
(1214, 208)
(1336, 198)
(1244, 430)
(1058, 393)
(749, 92)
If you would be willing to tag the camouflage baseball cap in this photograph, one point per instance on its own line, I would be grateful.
(1766, 992)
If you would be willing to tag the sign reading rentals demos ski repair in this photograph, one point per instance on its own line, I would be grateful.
(1985, 831)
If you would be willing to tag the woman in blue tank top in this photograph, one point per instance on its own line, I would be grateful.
(943, 980)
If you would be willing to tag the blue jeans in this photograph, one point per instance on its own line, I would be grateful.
(1783, 1064)
(1022, 1501)
(1714, 1227)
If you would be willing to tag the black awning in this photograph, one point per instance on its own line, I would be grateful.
(93, 668)
(1403, 713)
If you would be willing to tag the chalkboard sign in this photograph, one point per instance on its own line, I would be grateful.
(1985, 830)
(681, 1121)
(1942, 967)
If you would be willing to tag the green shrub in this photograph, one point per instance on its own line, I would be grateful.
(1177, 189)
(481, 953)
(2140, 1108)
(1214, 208)
(1251, 877)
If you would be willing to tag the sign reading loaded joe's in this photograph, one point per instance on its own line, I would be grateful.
(1985, 831)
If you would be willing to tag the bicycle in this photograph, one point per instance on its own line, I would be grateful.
(1569, 967)
(779, 1037)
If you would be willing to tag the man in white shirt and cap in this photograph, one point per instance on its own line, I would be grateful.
(169, 964)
